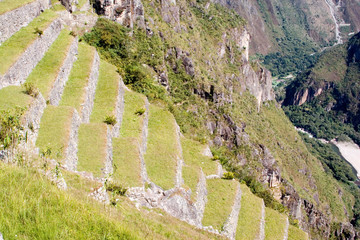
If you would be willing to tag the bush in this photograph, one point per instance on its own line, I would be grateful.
(31, 90)
(229, 175)
(38, 31)
(115, 189)
(110, 120)
(140, 111)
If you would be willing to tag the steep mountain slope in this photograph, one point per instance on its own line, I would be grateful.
(189, 63)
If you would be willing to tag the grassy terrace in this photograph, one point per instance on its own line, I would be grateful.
(249, 216)
(126, 156)
(33, 208)
(75, 87)
(194, 159)
(161, 154)
(12, 48)
(46, 71)
(296, 234)
(81, 4)
(13, 96)
(54, 130)
(275, 223)
(106, 93)
(221, 196)
(126, 161)
(92, 148)
(9, 5)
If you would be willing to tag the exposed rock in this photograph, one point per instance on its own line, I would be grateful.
(1, 236)
(70, 5)
(20, 70)
(207, 152)
(13, 21)
(170, 13)
(100, 195)
(126, 12)
(63, 75)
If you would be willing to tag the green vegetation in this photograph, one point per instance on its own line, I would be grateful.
(12, 97)
(296, 234)
(39, 211)
(54, 130)
(12, 48)
(75, 87)
(274, 225)
(221, 196)
(162, 152)
(193, 156)
(46, 71)
(191, 175)
(249, 216)
(9, 5)
(92, 148)
(106, 93)
(126, 161)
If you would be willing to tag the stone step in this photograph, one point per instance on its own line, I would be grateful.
(127, 149)
(17, 14)
(95, 149)
(222, 194)
(162, 152)
(21, 53)
(250, 215)
(51, 73)
(80, 88)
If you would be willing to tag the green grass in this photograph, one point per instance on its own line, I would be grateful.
(192, 153)
(13, 47)
(92, 148)
(274, 224)
(249, 216)
(46, 71)
(8, 5)
(55, 130)
(132, 123)
(161, 154)
(191, 176)
(33, 208)
(75, 87)
(81, 4)
(296, 234)
(126, 160)
(221, 196)
(106, 92)
(13, 96)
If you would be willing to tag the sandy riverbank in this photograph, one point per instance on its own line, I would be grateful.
(351, 152)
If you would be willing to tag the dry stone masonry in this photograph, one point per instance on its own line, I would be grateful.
(143, 144)
(18, 73)
(13, 21)
(109, 154)
(286, 229)
(63, 75)
(201, 198)
(88, 104)
(72, 148)
(180, 161)
(231, 224)
(262, 222)
(119, 109)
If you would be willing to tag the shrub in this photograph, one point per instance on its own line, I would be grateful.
(115, 189)
(72, 33)
(110, 120)
(38, 31)
(31, 90)
(228, 175)
(140, 111)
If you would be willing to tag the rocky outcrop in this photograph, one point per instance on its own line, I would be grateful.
(19, 71)
(72, 147)
(70, 5)
(258, 81)
(13, 21)
(63, 75)
(88, 104)
(126, 12)
(170, 13)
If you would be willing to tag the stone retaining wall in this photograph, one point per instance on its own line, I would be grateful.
(231, 223)
(13, 21)
(18, 73)
(72, 148)
(119, 109)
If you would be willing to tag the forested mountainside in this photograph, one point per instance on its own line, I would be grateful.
(151, 112)
(327, 94)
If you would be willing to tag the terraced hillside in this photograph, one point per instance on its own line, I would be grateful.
(93, 137)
